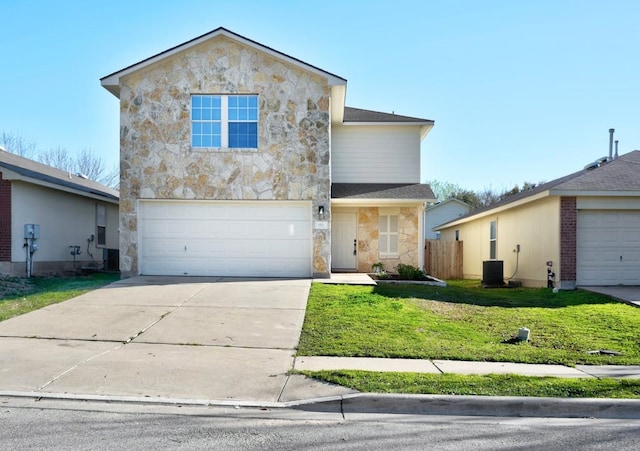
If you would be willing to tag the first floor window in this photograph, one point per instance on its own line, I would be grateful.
(224, 121)
(101, 225)
(388, 236)
(493, 239)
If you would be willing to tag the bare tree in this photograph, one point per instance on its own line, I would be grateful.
(57, 157)
(93, 167)
(16, 143)
(87, 163)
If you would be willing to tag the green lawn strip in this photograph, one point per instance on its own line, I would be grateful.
(40, 292)
(488, 385)
(466, 322)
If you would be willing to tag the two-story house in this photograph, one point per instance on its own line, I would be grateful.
(239, 160)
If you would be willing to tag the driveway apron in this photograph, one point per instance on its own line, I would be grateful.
(196, 338)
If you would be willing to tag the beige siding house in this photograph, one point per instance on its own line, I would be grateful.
(69, 210)
(239, 160)
(585, 227)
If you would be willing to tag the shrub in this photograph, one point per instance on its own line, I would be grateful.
(410, 272)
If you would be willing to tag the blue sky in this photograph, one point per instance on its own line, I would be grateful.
(519, 90)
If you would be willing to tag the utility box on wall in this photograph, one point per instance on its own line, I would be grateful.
(32, 231)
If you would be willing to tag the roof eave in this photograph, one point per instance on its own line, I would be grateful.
(9, 174)
(493, 211)
(423, 124)
(338, 96)
(425, 129)
(377, 202)
(594, 193)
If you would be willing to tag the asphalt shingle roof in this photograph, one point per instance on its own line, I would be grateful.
(417, 191)
(360, 115)
(39, 171)
(620, 174)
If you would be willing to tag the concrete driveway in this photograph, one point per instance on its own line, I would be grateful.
(167, 337)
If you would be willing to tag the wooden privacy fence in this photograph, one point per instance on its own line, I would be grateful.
(443, 259)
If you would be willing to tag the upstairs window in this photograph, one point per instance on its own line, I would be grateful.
(388, 236)
(224, 121)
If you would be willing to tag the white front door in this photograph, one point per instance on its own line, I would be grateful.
(344, 241)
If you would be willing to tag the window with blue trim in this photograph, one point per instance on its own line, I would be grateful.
(224, 121)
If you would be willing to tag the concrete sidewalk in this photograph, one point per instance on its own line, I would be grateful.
(463, 367)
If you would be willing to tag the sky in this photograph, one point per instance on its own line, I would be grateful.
(519, 90)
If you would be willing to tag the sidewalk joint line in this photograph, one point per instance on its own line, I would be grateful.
(55, 378)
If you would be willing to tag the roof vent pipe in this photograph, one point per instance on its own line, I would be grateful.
(616, 154)
(611, 130)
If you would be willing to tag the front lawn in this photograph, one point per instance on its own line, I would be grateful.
(20, 295)
(466, 322)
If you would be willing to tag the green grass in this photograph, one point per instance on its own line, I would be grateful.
(490, 385)
(466, 322)
(24, 295)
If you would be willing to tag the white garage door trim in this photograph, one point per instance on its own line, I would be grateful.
(608, 247)
(225, 238)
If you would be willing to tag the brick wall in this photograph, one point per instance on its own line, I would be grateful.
(5, 220)
(568, 234)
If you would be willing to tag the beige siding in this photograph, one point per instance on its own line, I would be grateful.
(375, 154)
(65, 220)
(534, 226)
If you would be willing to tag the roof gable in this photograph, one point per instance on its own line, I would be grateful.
(111, 82)
(41, 174)
(452, 201)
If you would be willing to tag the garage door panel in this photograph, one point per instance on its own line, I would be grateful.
(268, 239)
(608, 248)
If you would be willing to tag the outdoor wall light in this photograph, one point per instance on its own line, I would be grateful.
(321, 211)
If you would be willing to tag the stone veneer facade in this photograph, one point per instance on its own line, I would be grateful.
(292, 161)
(408, 236)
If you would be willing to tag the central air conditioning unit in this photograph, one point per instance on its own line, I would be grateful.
(492, 273)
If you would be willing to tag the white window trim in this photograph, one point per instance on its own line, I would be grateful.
(493, 241)
(99, 224)
(387, 236)
(224, 125)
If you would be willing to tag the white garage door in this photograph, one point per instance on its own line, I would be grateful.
(608, 248)
(205, 238)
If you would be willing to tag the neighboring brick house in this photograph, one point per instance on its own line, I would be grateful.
(239, 160)
(586, 224)
(68, 209)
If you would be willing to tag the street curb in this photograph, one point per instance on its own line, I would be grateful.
(393, 404)
(502, 406)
